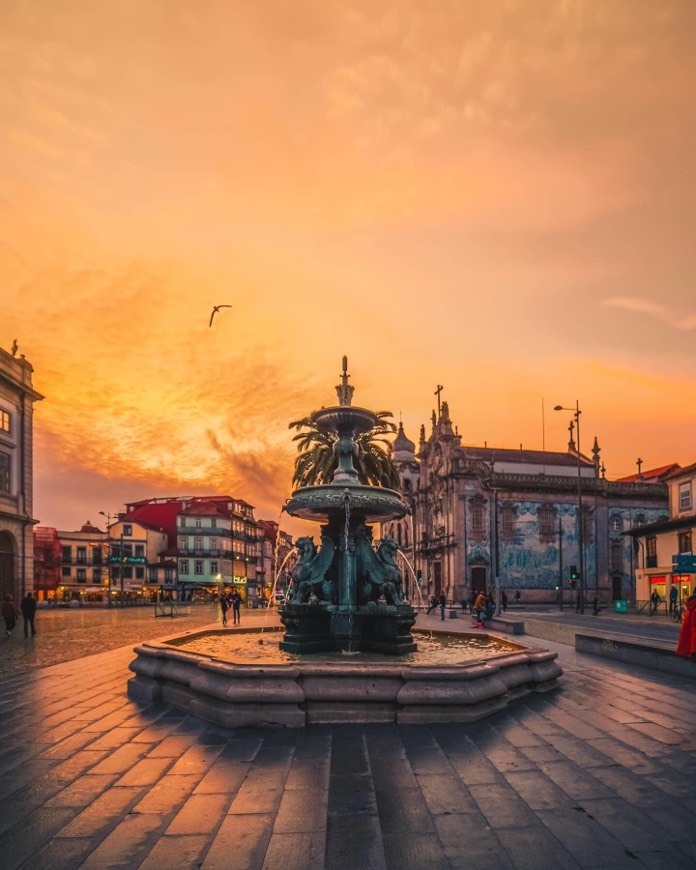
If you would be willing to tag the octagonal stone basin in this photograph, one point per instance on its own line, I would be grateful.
(343, 689)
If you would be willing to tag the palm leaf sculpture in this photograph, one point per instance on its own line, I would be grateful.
(316, 460)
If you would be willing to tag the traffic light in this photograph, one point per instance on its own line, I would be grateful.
(574, 576)
(419, 576)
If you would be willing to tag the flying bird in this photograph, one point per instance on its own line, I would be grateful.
(215, 310)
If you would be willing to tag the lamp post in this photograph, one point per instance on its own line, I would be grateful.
(581, 548)
(108, 555)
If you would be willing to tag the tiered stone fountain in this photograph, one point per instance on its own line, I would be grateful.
(345, 595)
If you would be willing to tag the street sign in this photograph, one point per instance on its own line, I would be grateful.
(684, 562)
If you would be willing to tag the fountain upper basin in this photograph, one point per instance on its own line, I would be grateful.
(372, 503)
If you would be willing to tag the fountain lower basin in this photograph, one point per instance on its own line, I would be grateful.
(304, 692)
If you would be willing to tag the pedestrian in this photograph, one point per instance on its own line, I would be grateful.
(433, 605)
(9, 614)
(504, 600)
(472, 601)
(236, 605)
(517, 596)
(595, 606)
(654, 601)
(223, 608)
(480, 608)
(442, 601)
(673, 596)
(28, 608)
(490, 605)
(686, 645)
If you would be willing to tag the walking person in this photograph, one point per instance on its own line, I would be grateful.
(9, 614)
(673, 596)
(236, 605)
(654, 601)
(224, 606)
(28, 608)
(504, 600)
(442, 601)
(433, 605)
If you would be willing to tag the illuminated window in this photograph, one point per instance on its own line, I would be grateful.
(4, 421)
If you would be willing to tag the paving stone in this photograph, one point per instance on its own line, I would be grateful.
(64, 854)
(23, 839)
(177, 853)
(535, 847)
(128, 844)
(537, 790)
(404, 810)
(308, 773)
(469, 842)
(501, 806)
(167, 795)
(585, 839)
(102, 815)
(574, 781)
(413, 852)
(82, 791)
(201, 814)
(352, 795)
(350, 845)
(302, 812)
(299, 851)
(224, 777)
(146, 772)
(241, 841)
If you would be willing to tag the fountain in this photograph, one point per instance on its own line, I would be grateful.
(346, 597)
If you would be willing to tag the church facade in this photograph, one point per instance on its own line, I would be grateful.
(500, 519)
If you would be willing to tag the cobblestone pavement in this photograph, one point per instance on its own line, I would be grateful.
(596, 775)
(66, 634)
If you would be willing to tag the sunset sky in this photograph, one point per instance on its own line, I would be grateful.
(496, 196)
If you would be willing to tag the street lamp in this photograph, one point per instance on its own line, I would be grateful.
(108, 555)
(581, 554)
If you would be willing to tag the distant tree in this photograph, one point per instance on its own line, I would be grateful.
(316, 460)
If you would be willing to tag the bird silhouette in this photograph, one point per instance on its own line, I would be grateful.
(215, 310)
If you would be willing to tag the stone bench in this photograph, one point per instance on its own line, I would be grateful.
(645, 653)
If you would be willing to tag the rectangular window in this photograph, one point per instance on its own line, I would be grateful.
(127, 530)
(140, 550)
(96, 575)
(198, 566)
(213, 567)
(213, 545)
(198, 543)
(96, 554)
(81, 555)
(5, 421)
(685, 542)
(127, 572)
(153, 575)
(477, 519)
(213, 523)
(65, 572)
(66, 554)
(81, 575)
(685, 496)
(183, 543)
(197, 524)
(4, 472)
(651, 552)
(183, 566)
(139, 573)
(169, 575)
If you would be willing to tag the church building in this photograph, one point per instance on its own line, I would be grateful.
(492, 519)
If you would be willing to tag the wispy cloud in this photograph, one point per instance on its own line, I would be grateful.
(662, 313)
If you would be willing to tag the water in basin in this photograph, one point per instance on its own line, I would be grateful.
(261, 647)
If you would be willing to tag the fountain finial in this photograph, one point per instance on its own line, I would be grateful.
(344, 389)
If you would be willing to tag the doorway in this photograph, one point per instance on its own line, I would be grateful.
(7, 578)
(478, 580)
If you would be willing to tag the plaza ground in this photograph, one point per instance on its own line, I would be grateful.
(599, 774)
